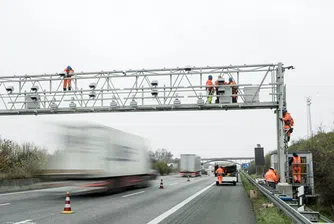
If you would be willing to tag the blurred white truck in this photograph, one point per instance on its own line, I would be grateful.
(99, 158)
(190, 165)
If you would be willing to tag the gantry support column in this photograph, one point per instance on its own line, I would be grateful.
(281, 154)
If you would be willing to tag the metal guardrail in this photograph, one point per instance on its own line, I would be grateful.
(288, 210)
(324, 218)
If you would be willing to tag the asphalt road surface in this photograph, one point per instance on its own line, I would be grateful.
(197, 201)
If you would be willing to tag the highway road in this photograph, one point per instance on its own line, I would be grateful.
(197, 201)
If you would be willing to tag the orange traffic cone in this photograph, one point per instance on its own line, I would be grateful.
(161, 185)
(67, 207)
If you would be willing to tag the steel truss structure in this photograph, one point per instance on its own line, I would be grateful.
(169, 89)
(138, 90)
(238, 160)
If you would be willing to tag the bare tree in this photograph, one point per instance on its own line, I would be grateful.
(162, 155)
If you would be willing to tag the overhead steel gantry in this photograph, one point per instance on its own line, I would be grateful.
(238, 160)
(168, 89)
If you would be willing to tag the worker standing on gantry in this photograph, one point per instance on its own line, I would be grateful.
(288, 124)
(68, 78)
(234, 90)
(209, 89)
(296, 167)
(220, 81)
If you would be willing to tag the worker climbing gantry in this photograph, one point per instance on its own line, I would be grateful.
(258, 86)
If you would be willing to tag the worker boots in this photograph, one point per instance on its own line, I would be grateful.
(287, 139)
(69, 88)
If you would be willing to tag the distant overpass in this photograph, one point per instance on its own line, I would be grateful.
(238, 160)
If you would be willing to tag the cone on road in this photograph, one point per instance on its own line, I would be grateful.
(161, 185)
(67, 207)
(188, 178)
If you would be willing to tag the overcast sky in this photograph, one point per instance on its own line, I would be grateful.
(44, 36)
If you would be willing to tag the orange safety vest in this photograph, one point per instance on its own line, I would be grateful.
(219, 171)
(68, 71)
(271, 176)
(209, 83)
(296, 162)
(287, 119)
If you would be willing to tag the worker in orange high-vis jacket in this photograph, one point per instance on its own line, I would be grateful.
(234, 89)
(296, 167)
(209, 89)
(220, 173)
(271, 177)
(68, 78)
(288, 123)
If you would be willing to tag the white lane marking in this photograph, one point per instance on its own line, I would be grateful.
(30, 221)
(25, 221)
(172, 184)
(4, 204)
(128, 195)
(178, 206)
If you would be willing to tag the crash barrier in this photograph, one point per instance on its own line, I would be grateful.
(289, 207)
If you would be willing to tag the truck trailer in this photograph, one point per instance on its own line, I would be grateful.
(190, 165)
(98, 158)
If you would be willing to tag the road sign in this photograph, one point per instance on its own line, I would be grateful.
(245, 165)
(259, 155)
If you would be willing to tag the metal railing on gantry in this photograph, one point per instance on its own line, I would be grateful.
(257, 87)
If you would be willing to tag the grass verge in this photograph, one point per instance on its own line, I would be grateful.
(264, 215)
(254, 176)
(324, 210)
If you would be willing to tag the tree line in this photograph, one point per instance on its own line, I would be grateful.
(21, 161)
(26, 160)
(160, 159)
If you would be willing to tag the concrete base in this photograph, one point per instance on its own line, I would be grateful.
(284, 188)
